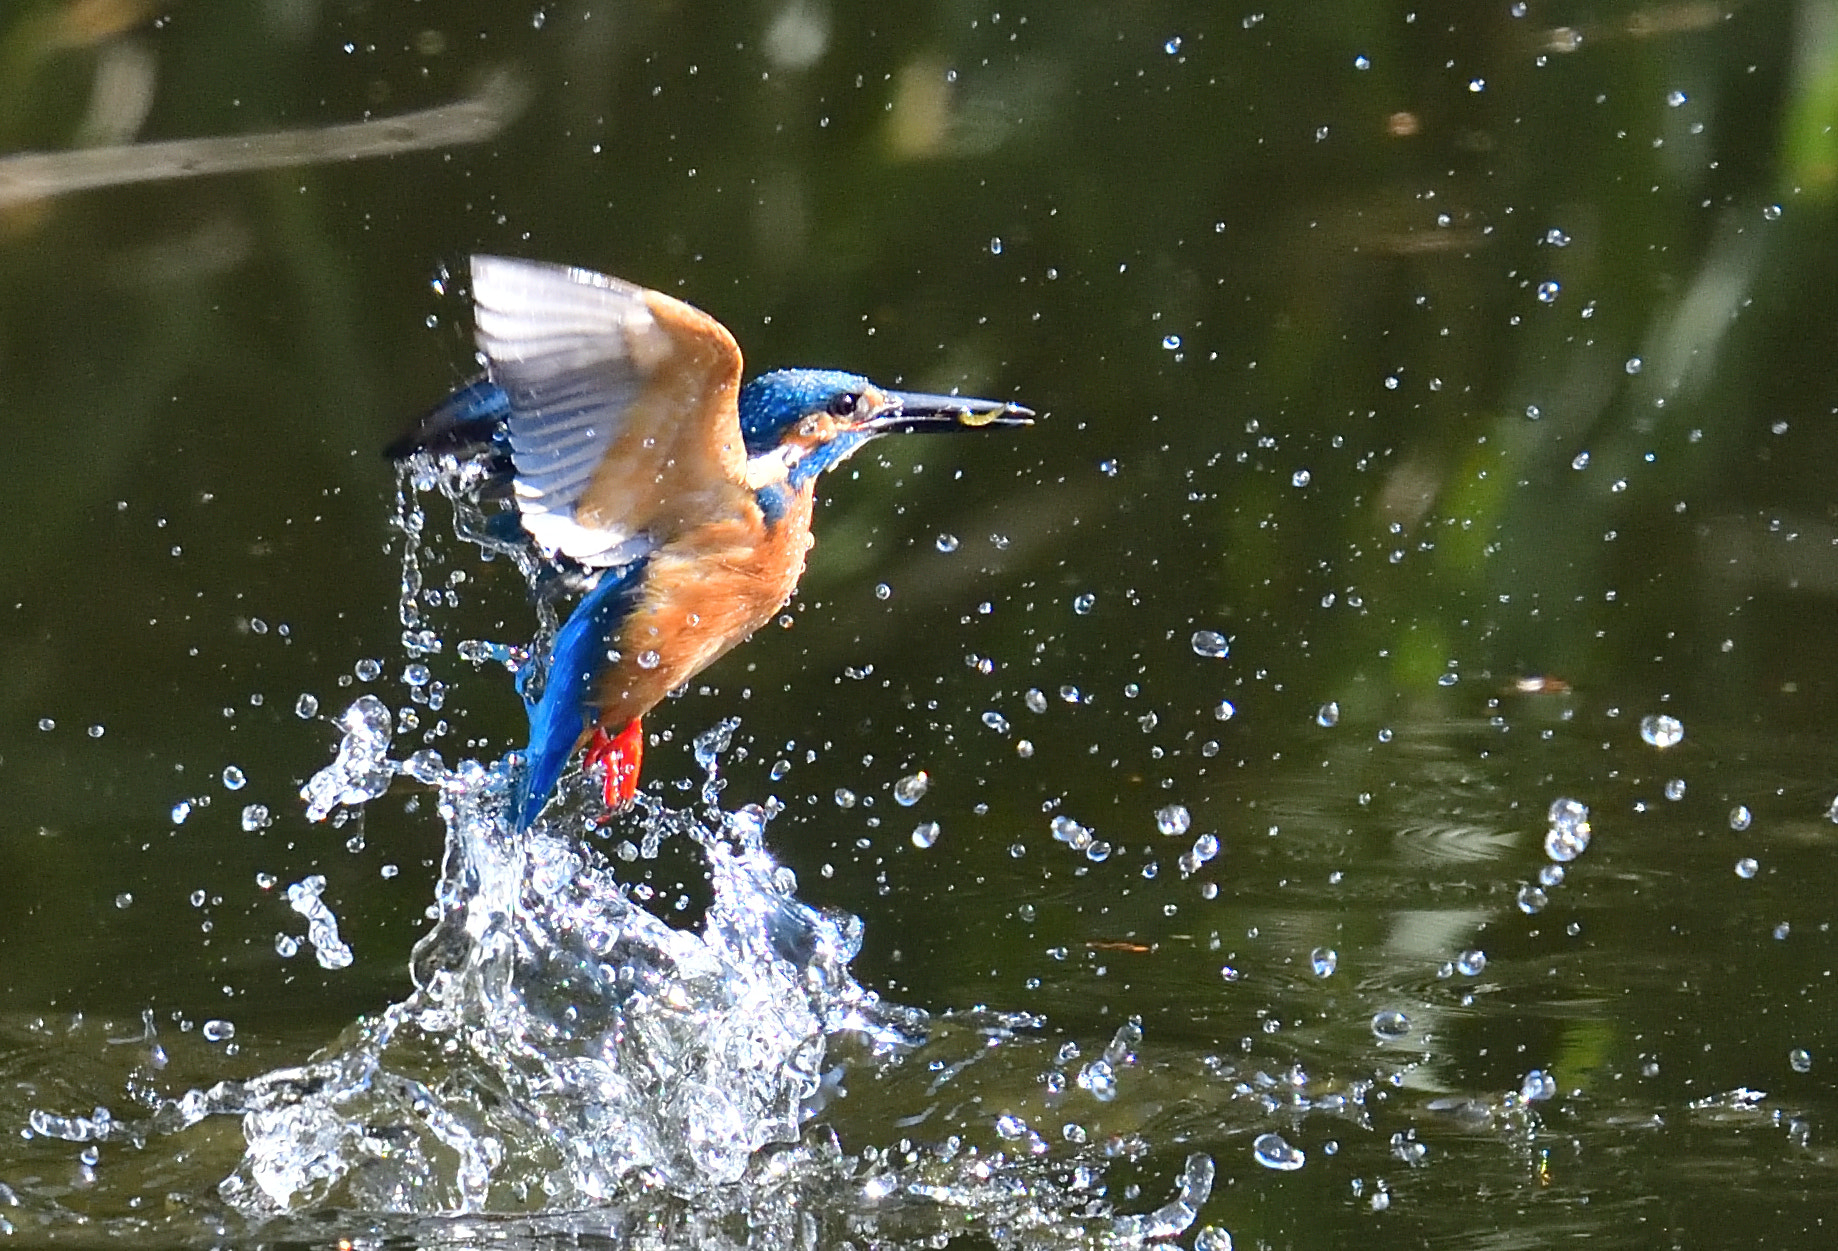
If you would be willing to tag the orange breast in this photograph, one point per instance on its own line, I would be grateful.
(705, 591)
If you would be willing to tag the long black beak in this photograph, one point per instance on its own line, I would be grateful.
(916, 413)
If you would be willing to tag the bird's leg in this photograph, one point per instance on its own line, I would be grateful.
(621, 756)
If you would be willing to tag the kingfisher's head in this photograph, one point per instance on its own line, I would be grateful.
(796, 423)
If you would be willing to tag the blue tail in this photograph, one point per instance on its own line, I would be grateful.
(559, 717)
(469, 418)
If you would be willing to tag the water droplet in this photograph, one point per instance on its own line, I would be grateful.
(1324, 960)
(1172, 46)
(882, 590)
(1747, 867)
(368, 670)
(217, 1031)
(1740, 818)
(1070, 832)
(1556, 238)
(845, 798)
(1532, 899)
(1099, 1078)
(995, 246)
(1634, 365)
(1212, 1238)
(947, 543)
(1273, 1152)
(46, 724)
(1362, 63)
(1211, 644)
(233, 778)
(1389, 1025)
(1800, 1060)
(1171, 342)
(1300, 478)
(996, 721)
(910, 789)
(97, 731)
(925, 834)
(1772, 213)
(1083, 604)
(1548, 291)
(255, 817)
(181, 811)
(1328, 715)
(1676, 98)
(1406, 1147)
(1564, 844)
(1035, 699)
(1537, 1087)
(649, 659)
(306, 707)
(1662, 731)
(1224, 711)
(1580, 461)
(1070, 694)
(1173, 820)
(1470, 963)
(124, 900)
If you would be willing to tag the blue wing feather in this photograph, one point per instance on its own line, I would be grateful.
(558, 719)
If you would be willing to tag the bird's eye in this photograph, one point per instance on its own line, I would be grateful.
(843, 404)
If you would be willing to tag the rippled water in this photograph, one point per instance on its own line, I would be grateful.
(586, 1052)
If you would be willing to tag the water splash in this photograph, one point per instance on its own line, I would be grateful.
(361, 771)
(569, 1063)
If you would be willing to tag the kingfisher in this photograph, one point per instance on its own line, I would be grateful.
(613, 419)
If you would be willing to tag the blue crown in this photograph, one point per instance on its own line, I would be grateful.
(772, 403)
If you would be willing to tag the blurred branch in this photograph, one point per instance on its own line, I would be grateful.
(486, 112)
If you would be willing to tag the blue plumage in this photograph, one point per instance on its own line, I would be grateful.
(563, 714)
(772, 403)
(471, 417)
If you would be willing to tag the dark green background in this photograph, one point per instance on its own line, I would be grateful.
(1272, 279)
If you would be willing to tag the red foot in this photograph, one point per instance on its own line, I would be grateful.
(621, 756)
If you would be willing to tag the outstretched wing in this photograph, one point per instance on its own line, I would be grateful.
(621, 407)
